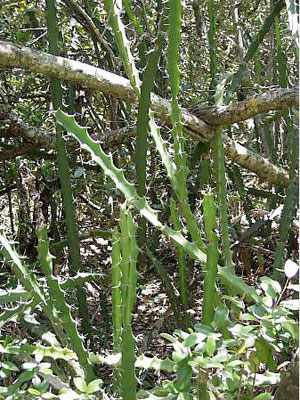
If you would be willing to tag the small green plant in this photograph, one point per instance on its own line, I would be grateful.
(245, 366)
(31, 371)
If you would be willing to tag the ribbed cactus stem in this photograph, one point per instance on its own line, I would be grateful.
(68, 323)
(209, 289)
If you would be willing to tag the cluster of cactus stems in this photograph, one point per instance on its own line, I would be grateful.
(124, 279)
(125, 250)
(30, 283)
(143, 127)
(59, 303)
(179, 184)
(142, 206)
(54, 305)
(125, 237)
(145, 122)
(292, 135)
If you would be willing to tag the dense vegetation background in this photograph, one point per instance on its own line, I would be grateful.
(167, 270)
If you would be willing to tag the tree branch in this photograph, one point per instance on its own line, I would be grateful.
(263, 102)
(12, 55)
(18, 128)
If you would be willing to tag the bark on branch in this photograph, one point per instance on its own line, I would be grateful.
(18, 128)
(228, 115)
(12, 55)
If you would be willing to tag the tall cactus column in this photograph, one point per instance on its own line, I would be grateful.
(63, 167)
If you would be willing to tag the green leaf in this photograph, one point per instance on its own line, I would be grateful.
(205, 329)
(249, 317)
(179, 355)
(241, 330)
(34, 391)
(270, 286)
(254, 362)
(268, 378)
(168, 337)
(235, 300)
(80, 384)
(183, 382)
(263, 396)
(210, 345)
(9, 365)
(293, 328)
(200, 348)
(221, 314)
(265, 353)
(46, 371)
(94, 386)
(68, 394)
(4, 373)
(292, 304)
(235, 363)
(193, 339)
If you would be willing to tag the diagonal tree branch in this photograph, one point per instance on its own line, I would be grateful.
(12, 55)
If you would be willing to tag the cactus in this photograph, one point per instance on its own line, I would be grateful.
(209, 290)
(124, 279)
(212, 42)
(63, 168)
(116, 289)
(56, 293)
(181, 260)
(179, 183)
(112, 9)
(117, 175)
(117, 315)
(31, 284)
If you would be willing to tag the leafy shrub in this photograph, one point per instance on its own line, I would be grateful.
(204, 361)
